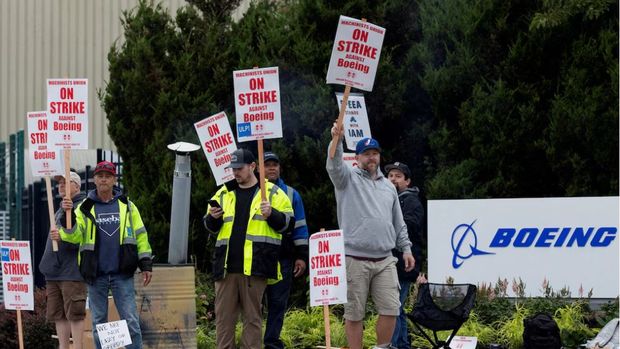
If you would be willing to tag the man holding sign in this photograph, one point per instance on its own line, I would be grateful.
(65, 287)
(113, 244)
(370, 216)
(249, 235)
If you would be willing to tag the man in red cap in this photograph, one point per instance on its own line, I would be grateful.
(113, 244)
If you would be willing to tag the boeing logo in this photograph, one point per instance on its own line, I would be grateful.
(465, 240)
(465, 244)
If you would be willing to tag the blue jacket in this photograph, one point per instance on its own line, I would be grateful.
(295, 244)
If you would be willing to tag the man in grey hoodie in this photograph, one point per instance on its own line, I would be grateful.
(370, 217)
(66, 289)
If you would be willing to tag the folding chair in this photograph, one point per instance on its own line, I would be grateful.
(442, 307)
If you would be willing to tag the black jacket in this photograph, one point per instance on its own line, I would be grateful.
(413, 214)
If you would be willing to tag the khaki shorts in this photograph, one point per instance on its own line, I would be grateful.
(66, 300)
(378, 278)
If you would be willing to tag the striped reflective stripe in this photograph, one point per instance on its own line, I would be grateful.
(228, 219)
(287, 222)
(222, 242)
(129, 241)
(273, 190)
(258, 217)
(144, 255)
(87, 247)
(290, 191)
(264, 239)
(140, 231)
(300, 223)
(300, 242)
(222, 199)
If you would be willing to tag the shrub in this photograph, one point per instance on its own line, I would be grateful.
(37, 331)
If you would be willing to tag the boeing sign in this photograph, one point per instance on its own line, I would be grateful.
(559, 239)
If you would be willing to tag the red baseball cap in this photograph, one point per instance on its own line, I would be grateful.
(105, 166)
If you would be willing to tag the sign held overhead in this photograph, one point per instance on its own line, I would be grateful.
(355, 54)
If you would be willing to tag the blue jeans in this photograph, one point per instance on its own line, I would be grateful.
(400, 339)
(125, 301)
(277, 302)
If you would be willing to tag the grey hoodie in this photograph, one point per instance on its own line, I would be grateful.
(368, 211)
(62, 265)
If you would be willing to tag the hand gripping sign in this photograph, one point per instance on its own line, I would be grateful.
(67, 109)
(355, 54)
(218, 143)
(257, 104)
(355, 121)
(354, 61)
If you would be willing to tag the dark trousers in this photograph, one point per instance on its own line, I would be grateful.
(277, 303)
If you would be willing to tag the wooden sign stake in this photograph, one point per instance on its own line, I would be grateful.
(50, 209)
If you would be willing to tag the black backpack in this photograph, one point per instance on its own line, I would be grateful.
(541, 332)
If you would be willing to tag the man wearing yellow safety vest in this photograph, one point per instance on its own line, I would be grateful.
(249, 234)
(113, 244)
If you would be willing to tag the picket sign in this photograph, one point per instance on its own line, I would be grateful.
(67, 110)
(218, 143)
(349, 159)
(257, 109)
(44, 159)
(328, 277)
(356, 125)
(17, 280)
(113, 334)
(362, 42)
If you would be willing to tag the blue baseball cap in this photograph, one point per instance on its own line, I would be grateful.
(366, 144)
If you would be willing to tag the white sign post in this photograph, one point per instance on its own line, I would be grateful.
(218, 143)
(67, 112)
(44, 160)
(354, 61)
(257, 104)
(328, 274)
(113, 335)
(553, 239)
(356, 125)
(355, 54)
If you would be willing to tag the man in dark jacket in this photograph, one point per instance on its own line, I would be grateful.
(293, 257)
(65, 287)
(413, 212)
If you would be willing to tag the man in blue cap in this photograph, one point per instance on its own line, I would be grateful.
(294, 249)
(370, 217)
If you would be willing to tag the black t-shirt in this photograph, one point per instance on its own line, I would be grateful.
(243, 202)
